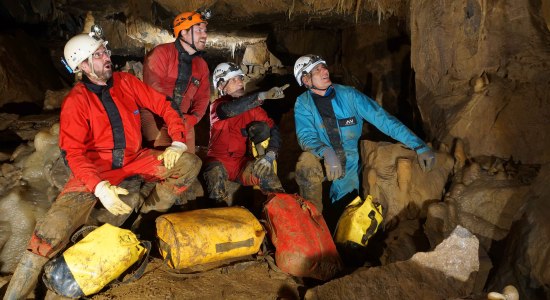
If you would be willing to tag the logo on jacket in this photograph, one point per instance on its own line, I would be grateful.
(347, 122)
(136, 111)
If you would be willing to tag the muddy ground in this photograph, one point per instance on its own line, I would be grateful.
(243, 280)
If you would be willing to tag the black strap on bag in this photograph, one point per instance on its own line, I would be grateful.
(143, 265)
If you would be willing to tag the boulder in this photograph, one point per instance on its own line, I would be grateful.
(448, 271)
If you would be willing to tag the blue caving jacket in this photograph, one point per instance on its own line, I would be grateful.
(351, 107)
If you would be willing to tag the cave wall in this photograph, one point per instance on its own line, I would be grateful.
(482, 70)
(25, 70)
(375, 59)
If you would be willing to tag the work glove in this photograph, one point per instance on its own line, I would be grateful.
(426, 159)
(108, 195)
(172, 154)
(264, 165)
(333, 167)
(273, 93)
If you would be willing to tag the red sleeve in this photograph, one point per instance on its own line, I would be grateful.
(154, 71)
(159, 104)
(202, 97)
(74, 131)
(261, 115)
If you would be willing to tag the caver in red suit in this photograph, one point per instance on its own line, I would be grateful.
(100, 139)
(228, 155)
(170, 70)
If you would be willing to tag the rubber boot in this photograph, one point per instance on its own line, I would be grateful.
(313, 193)
(25, 277)
(161, 199)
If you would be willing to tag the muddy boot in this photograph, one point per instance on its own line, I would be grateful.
(161, 199)
(25, 277)
(194, 191)
(313, 193)
(216, 176)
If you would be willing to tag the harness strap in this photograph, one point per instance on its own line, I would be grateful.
(117, 127)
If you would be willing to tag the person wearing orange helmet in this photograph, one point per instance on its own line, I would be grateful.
(178, 70)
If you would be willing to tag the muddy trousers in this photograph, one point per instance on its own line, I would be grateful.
(217, 179)
(75, 203)
(310, 176)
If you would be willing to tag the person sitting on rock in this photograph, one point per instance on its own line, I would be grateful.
(236, 120)
(100, 140)
(329, 120)
(178, 70)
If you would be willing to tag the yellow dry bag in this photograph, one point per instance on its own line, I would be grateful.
(199, 237)
(92, 263)
(359, 222)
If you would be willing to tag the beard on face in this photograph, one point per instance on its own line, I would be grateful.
(105, 73)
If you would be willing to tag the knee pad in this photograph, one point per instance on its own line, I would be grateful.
(192, 161)
(215, 175)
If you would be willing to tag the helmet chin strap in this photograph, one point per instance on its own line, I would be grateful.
(92, 73)
(91, 64)
(313, 87)
(316, 88)
(192, 45)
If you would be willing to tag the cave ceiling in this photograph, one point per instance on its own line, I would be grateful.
(227, 14)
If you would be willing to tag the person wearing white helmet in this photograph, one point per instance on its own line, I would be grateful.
(236, 120)
(100, 140)
(329, 119)
(178, 70)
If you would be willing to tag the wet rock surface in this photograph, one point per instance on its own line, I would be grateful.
(448, 271)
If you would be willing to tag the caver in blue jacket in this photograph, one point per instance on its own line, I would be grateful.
(350, 107)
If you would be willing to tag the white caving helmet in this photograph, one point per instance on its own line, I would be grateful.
(224, 72)
(305, 64)
(82, 46)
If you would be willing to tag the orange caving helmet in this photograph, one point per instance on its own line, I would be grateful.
(185, 20)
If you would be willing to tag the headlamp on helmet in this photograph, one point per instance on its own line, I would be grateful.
(186, 20)
(81, 47)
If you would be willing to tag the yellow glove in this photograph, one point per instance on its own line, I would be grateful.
(108, 195)
(172, 154)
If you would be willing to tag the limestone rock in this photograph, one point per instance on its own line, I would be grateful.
(54, 99)
(485, 203)
(526, 262)
(392, 175)
(21, 214)
(27, 127)
(472, 83)
(146, 33)
(448, 271)
(21, 63)
(6, 120)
